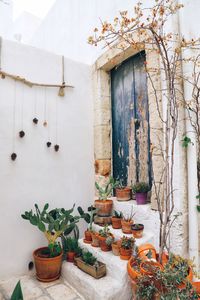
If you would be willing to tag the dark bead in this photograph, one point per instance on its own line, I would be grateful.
(48, 144)
(21, 134)
(56, 147)
(13, 156)
(35, 120)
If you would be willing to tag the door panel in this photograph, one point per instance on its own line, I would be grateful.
(130, 121)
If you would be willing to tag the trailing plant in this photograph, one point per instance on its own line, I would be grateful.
(141, 187)
(106, 191)
(52, 223)
(88, 258)
(17, 293)
(127, 243)
(89, 216)
(118, 214)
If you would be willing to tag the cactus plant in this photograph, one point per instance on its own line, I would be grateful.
(88, 217)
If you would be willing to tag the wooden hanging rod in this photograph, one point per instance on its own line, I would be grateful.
(30, 83)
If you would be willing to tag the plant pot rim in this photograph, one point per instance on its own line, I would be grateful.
(45, 258)
(113, 217)
(137, 229)
(103, 201)
(124, 188)
(105, 237)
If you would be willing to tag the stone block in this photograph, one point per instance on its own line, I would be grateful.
(102, 142)
(102, 166)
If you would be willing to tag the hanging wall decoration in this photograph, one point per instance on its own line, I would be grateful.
(22, 132)
(35, 120)
(14, 155)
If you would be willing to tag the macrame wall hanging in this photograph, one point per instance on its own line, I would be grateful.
(18, 80)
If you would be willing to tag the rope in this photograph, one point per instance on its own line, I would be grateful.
(63, 70)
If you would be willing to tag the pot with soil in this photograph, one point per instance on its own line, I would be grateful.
(90, 265)
(105, 239)
(137, 230)
(89, 218)
(123, 194)
(95, 239)
(147, 251)
(116, 220)
(127, 222)
(103, 204)
(150, 267)
(116, 248)
(141, 189)
(126, 247)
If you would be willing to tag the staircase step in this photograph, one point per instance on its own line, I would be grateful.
(106, 288)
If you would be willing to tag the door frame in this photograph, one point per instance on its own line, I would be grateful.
(103, 114)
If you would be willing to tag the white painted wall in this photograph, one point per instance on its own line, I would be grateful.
(39, 174)
(6, 8)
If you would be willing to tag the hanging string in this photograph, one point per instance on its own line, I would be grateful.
(14, 155)
(45, 108)
(21, 132)
(62, 90)
(56, 147)
(35, 119)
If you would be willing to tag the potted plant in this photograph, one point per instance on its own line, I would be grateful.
(141, 189)
(52, 223)
(116, 247)
(95, 239)
(116, 219)
(89, 264)
(103, 204)
(127, 222)
(122, 192)
(89, 218)
(105, 239)
(72, 249)
(126, 247)
(137, 230)
(147, 251)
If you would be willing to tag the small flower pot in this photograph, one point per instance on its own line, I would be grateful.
(196, 286)
(116, 223)
(123, 194)
(137, 230)
(146, 249)
(115, 248)
(126, 226)
(104, 247)
(70, 256)
(95, 239)
(104, 207)
(88, 237)
(141, 198)
(125, 254)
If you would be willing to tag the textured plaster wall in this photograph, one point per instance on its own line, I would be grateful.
(40, 174)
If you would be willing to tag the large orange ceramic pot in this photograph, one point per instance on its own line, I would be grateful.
(104, 207)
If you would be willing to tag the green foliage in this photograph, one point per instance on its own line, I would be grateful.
(118, 214)
(127, 243)
(141, 187)
(52, 223)
(88, 258)
(105, 232)
(53, 250)
(88, 217)
(119, 184)
(186, 141)
(17, 293)
(109, 240)
(198, 206)
(105, 192)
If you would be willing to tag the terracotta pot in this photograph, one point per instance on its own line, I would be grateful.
(116, 223)
(144, 249)
(123, 194)
(115, 248)
(196, 286)
(134, 273)
(188, 278)
(104, 207)
(70, 256)
(149, 267)
(125, 254)
(95, 239)
(137, 230)
(88, 237)
(126, 226)
(141, 198)
(104, 247)
(47, 269)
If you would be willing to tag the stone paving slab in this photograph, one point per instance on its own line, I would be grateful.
(35, 290)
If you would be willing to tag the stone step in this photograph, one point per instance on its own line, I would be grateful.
(106, 288)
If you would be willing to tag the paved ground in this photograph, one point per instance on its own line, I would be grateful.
(35, 290)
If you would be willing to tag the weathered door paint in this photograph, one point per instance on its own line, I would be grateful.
(130, 121)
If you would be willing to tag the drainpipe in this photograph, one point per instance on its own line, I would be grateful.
(191, 157)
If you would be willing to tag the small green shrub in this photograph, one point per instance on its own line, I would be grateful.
(141, 187)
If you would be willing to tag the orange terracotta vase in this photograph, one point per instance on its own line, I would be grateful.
(123, 194)
(88, 237)
(116, 223)
(125, 254)
(103, 245)
(134, 273)
(137, 230)
(104, 207)
(126, 226)
(95, 239)
(70, 256)
(146, 249)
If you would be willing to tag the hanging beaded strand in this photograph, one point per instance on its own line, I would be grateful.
(45, 108)
(47, 119)
(35, 119)
(21, 132)
(56, 146)
(14, 155)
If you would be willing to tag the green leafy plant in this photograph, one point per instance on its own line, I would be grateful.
(186, 141)
(52, 223)
(88, 217)
(109, 240)
(105, 192)
(88, 258)
(198, 206)
(118, 214)
(119, 184)
(127, 243)
(105, 232)
(141, 187)
(17, 293)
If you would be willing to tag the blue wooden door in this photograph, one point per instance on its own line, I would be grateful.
(130, 121)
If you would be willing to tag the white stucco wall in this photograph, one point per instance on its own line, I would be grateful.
(5, 17)
(39, 174)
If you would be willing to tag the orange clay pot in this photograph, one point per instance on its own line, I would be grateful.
(102, 241)
(125, 254)
(116, 223)
(196, 286)
(126, 226)
(70, 256)
(115, 248)
(150, 265)
(144, 249)
(123, 194)
(132, 272)
(137, 230)
(189, 278)
(165, 258)
(104, 207)
(88, 237)
(47, 269)
(95, 239)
